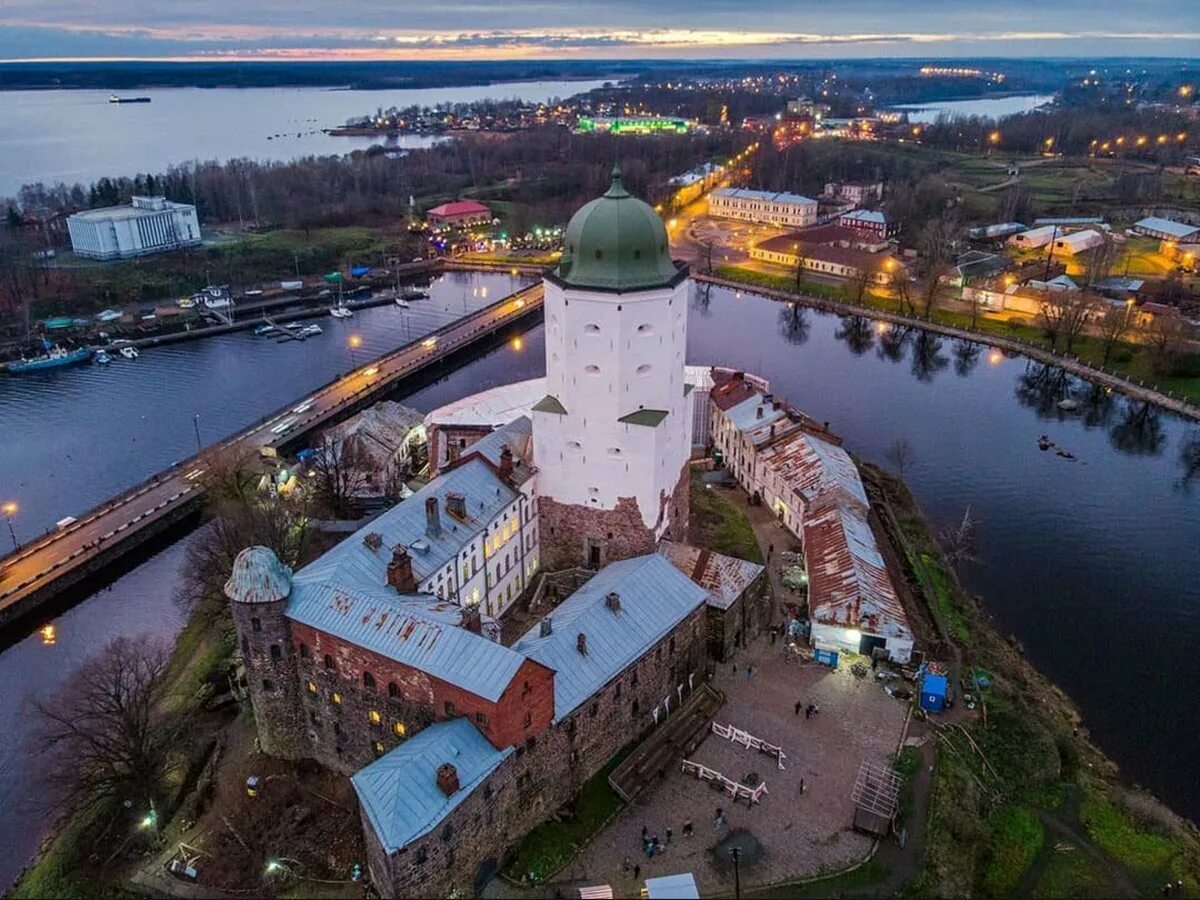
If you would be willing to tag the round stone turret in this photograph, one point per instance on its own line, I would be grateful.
(616, 243)
(258, 577)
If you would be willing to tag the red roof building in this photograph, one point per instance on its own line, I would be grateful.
(459, 214)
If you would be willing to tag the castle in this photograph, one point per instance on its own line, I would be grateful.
(381, 659)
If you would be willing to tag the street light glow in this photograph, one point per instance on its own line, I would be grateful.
(10, 508)
(354, 341)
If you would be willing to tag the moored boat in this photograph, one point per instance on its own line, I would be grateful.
(54, 357)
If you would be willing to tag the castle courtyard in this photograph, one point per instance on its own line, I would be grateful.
(789, 835)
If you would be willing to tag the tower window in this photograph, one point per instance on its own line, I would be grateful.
(328, 662)
(592, 370)
(256, 625)
(368, 681)
(591, 328)
(644, 369)
(599, 253)
(276, 652)
(645, 328)
(394, 691)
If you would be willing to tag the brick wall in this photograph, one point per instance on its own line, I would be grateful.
(543, 774)
(264, 636)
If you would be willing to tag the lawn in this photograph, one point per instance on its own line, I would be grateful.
(717, 524)
(551, 845)
(1017, 837)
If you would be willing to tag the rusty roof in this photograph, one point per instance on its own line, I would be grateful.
(848, 582)
(811, 465)
(724, 577)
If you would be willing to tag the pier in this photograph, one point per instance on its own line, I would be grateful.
(47, 566)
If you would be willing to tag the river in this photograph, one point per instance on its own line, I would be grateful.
(989, 107)
(1090, 563)
(78, 136)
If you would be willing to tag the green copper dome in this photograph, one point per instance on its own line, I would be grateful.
(616, 243)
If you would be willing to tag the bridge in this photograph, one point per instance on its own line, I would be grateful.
(44, 568)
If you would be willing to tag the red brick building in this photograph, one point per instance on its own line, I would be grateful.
(459, 214)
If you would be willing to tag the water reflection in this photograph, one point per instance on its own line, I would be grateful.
(892, 341)
(1140, 430)
(794, 324)
(1189, 459)
(927, 356)
(966, 357)
(857, 334)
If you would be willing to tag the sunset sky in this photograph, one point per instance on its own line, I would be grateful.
(466, 29)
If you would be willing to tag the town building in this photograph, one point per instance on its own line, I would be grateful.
(857, 192)
(1167, 230)
(148, 225)
(828, 259)
(1034, 237)
(458, 214)
(1078, 242)
(764, 207)
(874, 221)
(613, 435)
(799, 470)
(635, 125)
(976, 265)
(805, 107)
(385, 444)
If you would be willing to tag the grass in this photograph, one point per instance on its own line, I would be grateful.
(1115, 832)
(1017, 838)
(870, 872)
(58, 872)
(551, 845)
(1070, 874)
(718, 525)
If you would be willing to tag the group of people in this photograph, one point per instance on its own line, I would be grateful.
(652, 846)
(809, 711)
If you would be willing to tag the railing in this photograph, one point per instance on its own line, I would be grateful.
(735, 789)
(750, 742)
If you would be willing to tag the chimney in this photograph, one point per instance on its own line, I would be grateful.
(400, 571)
(772, 431)
(545, 628)
(433, 521)
(471, 619)
(758, 412)
(456, 505)
(506, 463)
(613, 601)
(581, 644)
(447, 779)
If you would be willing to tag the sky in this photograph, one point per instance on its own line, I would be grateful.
(588, 29)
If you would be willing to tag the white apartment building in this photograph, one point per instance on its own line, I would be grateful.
(764, 207)
(148, 225)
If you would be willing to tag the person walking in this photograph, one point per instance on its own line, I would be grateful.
(799, 703)
(637, 872)
(626, 865)
(687, 828)
(719, 820)
(801, 784)
(645, 833)
(668, 837)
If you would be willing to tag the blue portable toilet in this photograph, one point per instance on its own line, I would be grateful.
(826, 656)
(933, 693)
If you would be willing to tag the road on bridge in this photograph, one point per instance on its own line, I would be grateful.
(28, 576)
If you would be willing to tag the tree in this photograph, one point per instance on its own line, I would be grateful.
(900, 454)
(959, 542)
(1114, 325)
(936, 246)
(1063, 315)
(863, 277)
(1167, 336)
(340, 474)
(113, 727)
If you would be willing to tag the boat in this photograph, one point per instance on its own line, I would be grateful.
(291, 285)
(53, 358)
(310, 330)
(413, 293)
(108, 315)
(256, 292)
(129, 352)
(101, 358)
(1068, 404)
(186, 303)
(325, 292)
(402, 303)
(265, 328)
(341, 312)
(113, 98)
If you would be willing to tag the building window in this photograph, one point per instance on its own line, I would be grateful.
(528, 719)
(377, 748)
(398, 729)
(634, 708)
(394, 691)
(449, 709)
(313, 717)
(368, 681)
(481, 719)
(373, 717)
(335, 698)
(276, 652)
(312, 687)
(671, 645)
(245, 646)
(256, 625)
(617, 692)
(304, 651)
(328, 662)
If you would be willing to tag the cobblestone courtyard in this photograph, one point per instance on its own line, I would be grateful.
(801, 834)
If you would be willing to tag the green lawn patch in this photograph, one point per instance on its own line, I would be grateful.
(1017, 837)
(719, 525)
(1071, 873)
(551, 845)
(870, 872)
(1121, 838)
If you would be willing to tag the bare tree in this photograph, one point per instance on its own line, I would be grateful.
(114, 728)
(900, 453)
(936, 246)
(863, 277)
(1099, 261)
(1114, 324)
(960, 542)
(1167, 336)
(231, 475)
(340, 473)
(1063, 315)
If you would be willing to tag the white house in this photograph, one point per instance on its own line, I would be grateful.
(148, 225)
(1035, 237)
(764, 207)
(1078, 242)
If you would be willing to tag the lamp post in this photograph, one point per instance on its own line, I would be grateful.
(736, 853)
(353, 342)
(10, 509)
(196, 428)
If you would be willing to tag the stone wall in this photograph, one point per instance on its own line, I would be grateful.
(543, 774)
(269, 655)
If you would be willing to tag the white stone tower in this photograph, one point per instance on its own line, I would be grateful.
(613, 436)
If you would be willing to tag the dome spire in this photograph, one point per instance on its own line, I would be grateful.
(617, 188)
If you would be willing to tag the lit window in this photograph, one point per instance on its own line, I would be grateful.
(374, 716)
(312, 687)
(336, 698)
(398, 729)
(378, 747)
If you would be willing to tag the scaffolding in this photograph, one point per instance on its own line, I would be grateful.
(876, 797)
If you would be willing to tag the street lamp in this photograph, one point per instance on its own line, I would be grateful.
(353, 342)
(10, 509)
(736, 853)
(196, 427)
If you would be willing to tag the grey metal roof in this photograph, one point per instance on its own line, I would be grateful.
(517, 435)
(550, 404)
(651, 418)
(765, 196)
(352, 562)
(409, 629)
(724, 577)
(745, 417)
(655, 597)
(258, 577)
(399, 790)
(1177, 230)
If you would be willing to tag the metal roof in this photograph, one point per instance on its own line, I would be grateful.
(672, 887)
(765, 196)
(745, 416)
(411, 629)
(1177, 230)
(651, 418)
(258, 577)
(810, 466)
(848, 582)
(873, 216)
(399, 791)
(491, 408)
(724, 577)
(517, 435)
(654, 598)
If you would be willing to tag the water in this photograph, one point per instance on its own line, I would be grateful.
(1091, 563)
(78, 136)
(990, 107)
